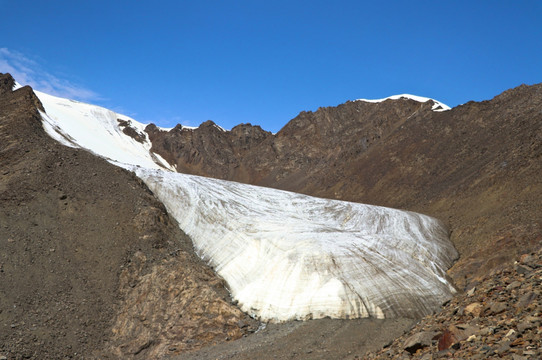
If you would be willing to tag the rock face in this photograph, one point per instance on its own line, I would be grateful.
(208, 150)
(477, 167)
(91, 264)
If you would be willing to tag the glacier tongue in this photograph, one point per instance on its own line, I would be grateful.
(291, 256)
(284, 255)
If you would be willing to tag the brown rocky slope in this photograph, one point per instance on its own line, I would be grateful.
(91, 265)
(477, 167)
(500, 317)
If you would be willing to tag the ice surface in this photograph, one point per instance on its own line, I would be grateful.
(438, 106)
(284, 255)
(291, 256)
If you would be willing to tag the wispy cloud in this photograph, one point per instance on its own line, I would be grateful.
(28, 72)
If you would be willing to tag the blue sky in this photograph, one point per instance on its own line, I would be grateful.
(263, 62)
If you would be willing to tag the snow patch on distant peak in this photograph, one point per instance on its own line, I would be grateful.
(16, 86)
(438, 106)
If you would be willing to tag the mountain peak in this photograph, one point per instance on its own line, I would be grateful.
(7, 83)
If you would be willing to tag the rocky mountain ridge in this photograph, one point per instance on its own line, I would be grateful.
(249, 154)
(208, 148)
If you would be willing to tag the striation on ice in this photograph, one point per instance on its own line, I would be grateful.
(291, 256)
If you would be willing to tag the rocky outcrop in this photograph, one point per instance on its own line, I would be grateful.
(499, 317)
(131, 131)
(6, 83)
(208, 149)
(175, 306)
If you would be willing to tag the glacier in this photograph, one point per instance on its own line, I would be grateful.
(283, 255)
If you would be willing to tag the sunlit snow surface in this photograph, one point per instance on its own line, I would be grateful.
(97, 129)
(284, 255)
(437, 106)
